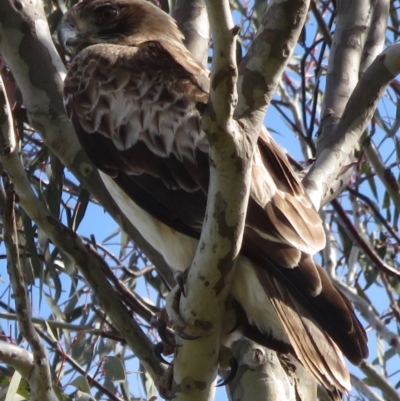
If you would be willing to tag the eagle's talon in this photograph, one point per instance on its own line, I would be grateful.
(158, 351)
(165, 384)
(166, 394)
(185, 336)
(172, 309)
(170, 315)
(233, 362)
(180, 278)
(165, 333)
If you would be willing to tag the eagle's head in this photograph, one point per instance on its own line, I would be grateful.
(121, 22)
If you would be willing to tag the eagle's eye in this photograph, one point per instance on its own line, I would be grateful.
(106, 13)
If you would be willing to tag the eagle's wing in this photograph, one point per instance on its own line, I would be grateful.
(156, 155)
(137, 113)
(145, 121)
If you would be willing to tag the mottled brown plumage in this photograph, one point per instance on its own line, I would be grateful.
(135, 96)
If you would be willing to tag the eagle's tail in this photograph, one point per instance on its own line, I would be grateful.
(317, 328)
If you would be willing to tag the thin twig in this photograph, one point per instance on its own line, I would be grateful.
(370, 253)
(376, 212)
(39, 377)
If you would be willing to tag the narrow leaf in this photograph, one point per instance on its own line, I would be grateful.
(13, 386)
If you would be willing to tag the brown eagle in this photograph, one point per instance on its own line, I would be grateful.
(135, 96)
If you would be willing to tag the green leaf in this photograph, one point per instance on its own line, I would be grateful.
(395, 284)
(396, 211)
(52, 194)
(24, 390)
(380, 246)
(372, 185)
(391, 352)
(81, 384)
(80, 209)
(68, 216)
(386, 201)
(346, 241)
(115, 370)
(68, 264)
(50, 332)
(105, 347)
(123, 244)
(40, 158)
(371, 273)
(61, 396)
(380, 352)
(362, 294)
(112, 235)
(13, 386)
(397, 146)
(83, 396)
(30, 231)
(148, 384)
(80, 350)
(50, 261)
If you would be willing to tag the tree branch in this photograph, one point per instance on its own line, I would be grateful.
(362, 243)
(352, 22)
(359, 34)
(87, 261)
(192, 19)
(332, 160)
(266, 376)
(366, 391)
(376, 33)
(17, 357)
(38, 376)
(211, 272)
(377, 380)
(261, 69)
(369, 314)
(385, 174)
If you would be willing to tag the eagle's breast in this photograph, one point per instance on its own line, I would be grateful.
(129, 103)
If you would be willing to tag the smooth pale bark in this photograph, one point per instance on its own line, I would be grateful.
(211, 272)
(359, 35)
(261, 69)
(264, 375)
(352, 21)
(231, 151)
(192, 19)
(332, 160)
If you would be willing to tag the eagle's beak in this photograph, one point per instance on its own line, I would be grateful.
(68, 37)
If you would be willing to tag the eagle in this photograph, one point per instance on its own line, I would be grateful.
(135, 96)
